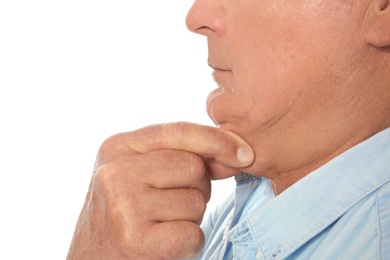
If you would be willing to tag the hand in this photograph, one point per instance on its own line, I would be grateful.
(149, 191)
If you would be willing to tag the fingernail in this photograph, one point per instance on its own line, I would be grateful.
(245, 155)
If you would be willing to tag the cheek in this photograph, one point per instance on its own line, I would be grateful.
(266, 73)
(263, 58)
(262, 87)
(252, 104)
(277, 61)
(271, 97)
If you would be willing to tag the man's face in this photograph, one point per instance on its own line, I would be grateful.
(276, 60)
(284, 70)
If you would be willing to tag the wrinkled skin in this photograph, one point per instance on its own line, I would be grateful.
(299, 81)
(149, 191)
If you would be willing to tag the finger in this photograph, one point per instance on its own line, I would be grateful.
(174, 204)
(164, 169)
(217, 170)
(159, 169)
(209, 142)
(185, 239)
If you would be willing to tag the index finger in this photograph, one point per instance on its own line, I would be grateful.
(206, 141)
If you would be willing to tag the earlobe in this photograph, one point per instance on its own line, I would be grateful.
(378, 23)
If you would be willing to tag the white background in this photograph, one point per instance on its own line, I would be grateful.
(72, 73)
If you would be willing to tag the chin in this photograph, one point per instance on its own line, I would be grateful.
(221, 109)
(226, 120)
(231, 112)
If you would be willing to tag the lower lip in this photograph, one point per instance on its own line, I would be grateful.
(218, 73)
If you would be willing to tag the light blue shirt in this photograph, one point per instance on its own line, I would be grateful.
(339, 211)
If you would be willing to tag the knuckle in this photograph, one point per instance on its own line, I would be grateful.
(199, 202)
(107, 177)
(117, 146)
(108, 146)
(196, 166)
(180, 127)
(185, 241)
(105, 174)
(194, 238)
(196, 204)
(196, 242)
(119, 206)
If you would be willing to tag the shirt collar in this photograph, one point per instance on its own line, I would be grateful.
(319, 199)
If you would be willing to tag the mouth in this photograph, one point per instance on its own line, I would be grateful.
(218, 68)
(218, 71)
(221, 77)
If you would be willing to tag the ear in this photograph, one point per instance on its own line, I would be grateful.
(378, 23)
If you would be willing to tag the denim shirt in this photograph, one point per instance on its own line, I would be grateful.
(339, 211)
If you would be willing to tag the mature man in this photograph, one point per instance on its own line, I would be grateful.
(306, 84)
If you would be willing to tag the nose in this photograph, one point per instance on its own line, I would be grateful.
(206, 17)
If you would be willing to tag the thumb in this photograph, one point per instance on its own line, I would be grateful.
(244, 152)
(218, 170)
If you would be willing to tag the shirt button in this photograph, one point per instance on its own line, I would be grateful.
(259, 256)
